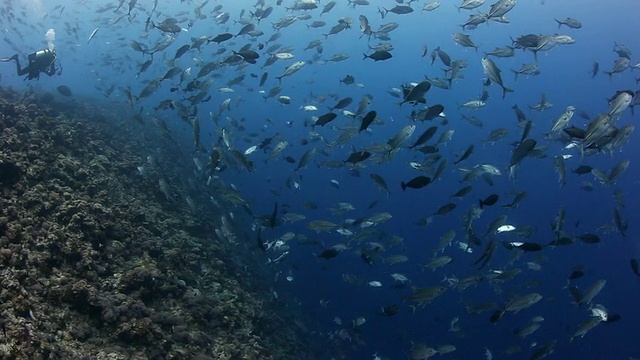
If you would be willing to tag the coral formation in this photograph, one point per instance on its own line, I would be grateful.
(98, 264)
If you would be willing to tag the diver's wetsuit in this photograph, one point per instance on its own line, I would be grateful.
(40, 61)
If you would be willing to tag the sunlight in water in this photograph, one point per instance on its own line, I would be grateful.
(35, 7)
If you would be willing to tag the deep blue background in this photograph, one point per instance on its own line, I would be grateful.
(564, 78)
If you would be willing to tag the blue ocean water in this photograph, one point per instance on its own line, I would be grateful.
(330, 304)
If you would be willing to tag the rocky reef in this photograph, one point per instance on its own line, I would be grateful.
(97, 262)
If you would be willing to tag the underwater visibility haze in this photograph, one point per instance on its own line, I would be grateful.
(302, 179)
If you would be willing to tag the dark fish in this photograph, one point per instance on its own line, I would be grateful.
(575, 294)
(582, 170)
(417, 182)
(329, 253)
(325, 119)
(378, 55)
(589, 238)
(575, 132)
(181, 51)
(398, 9)
(462, 192)
(496, 316)
(214, 160)
(634, 267)
(121, 2)
(612, 318)
(248, 55)
(220, 38)
(526, 131)
(132, 4)
(304, 160)
(426, 135)
(261, 244)
(445, 209)
(583, 114)
(521, 151)
(433, 112)
(246, 29)
(594, 69)
(358, 156)
(561, 241)
(466, 155)
(620, 225)
(428, 149)
(490, 200)
(485, 95)
(342, 103)
(145, 66)
(524, 246)
(64, 90)
(367, 120)
(146, 24)
(168, 26)
(389, 310)
(519, 114)
(263, 78)
(473, 238)
(444, 57)
(576, 273)
(273, 219)
(569, 22)
(484, 259)
(348, 80)
(171, 73)
(416, 94)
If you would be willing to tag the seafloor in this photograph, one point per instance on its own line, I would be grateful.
(97, 262)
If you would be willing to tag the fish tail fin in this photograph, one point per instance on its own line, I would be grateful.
(505, 90)
(365, 56)
(608, 73)
(403, 185)
(559, 23)
(481, 204)
(515, 73)
(383, 12)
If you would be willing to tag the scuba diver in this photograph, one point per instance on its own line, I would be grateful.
(40, 61)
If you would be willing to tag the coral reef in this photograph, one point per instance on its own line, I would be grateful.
(97, 263)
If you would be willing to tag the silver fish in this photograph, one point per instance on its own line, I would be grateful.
(93, 33)
(563, 120)
(493, 73)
